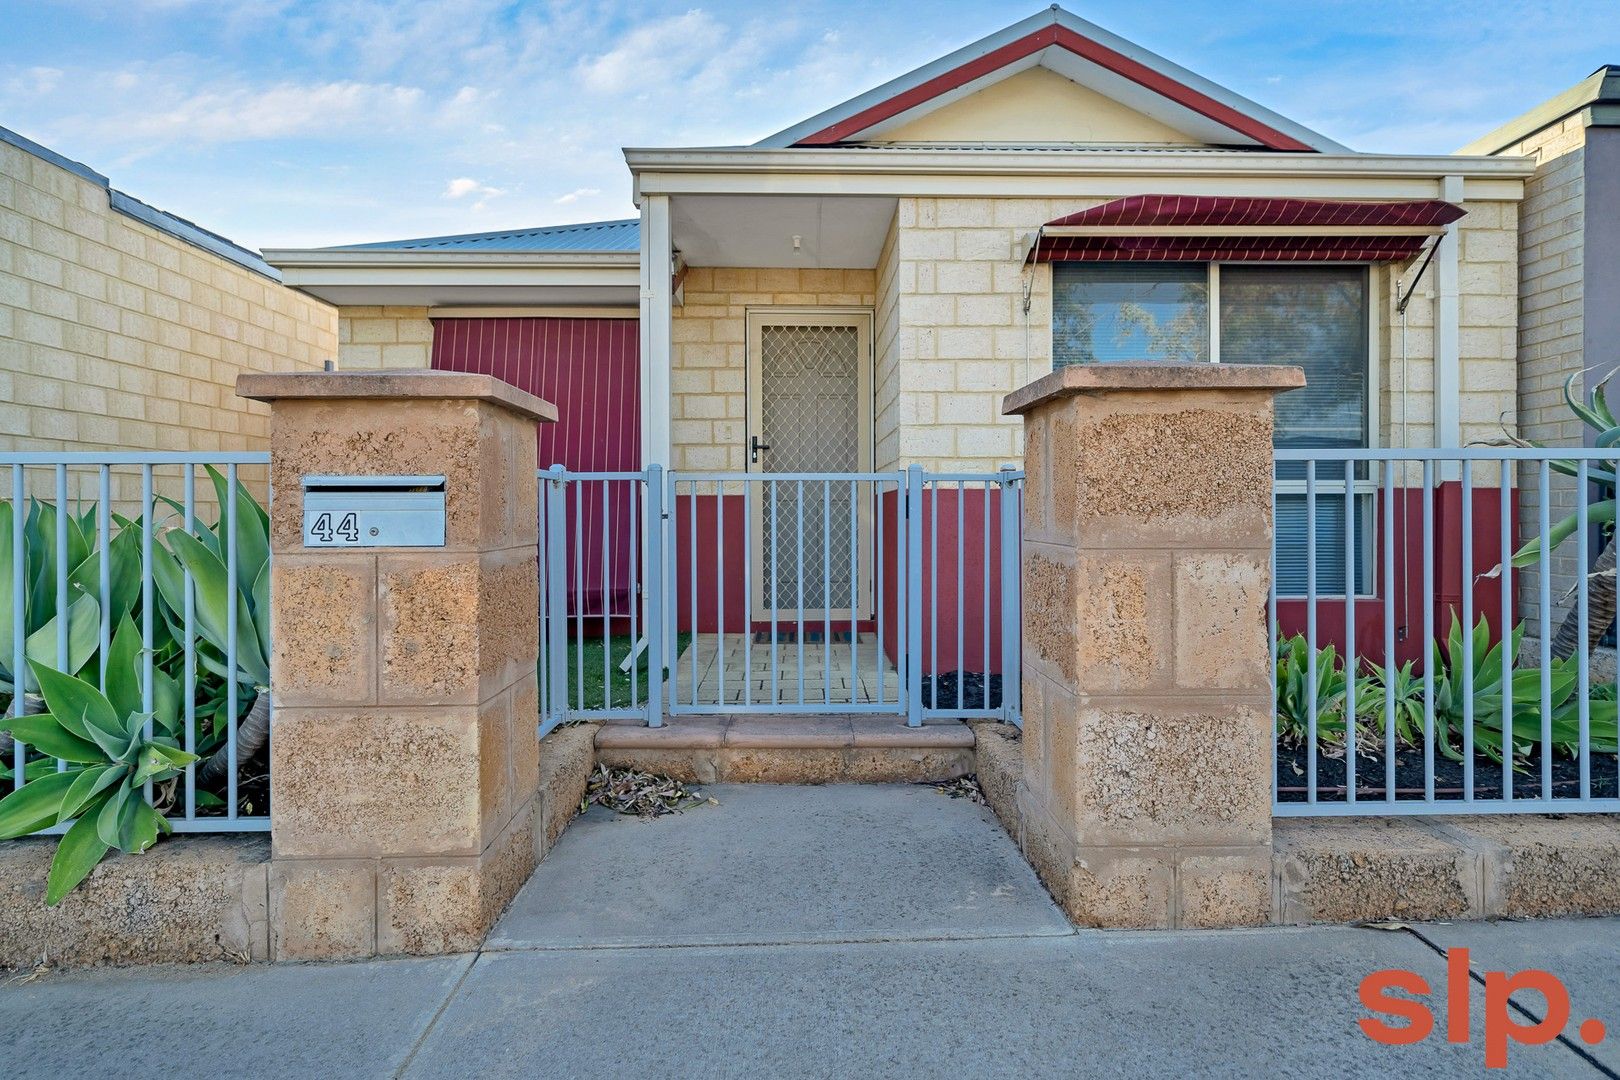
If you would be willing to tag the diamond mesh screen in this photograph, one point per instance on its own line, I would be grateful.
(810, 413)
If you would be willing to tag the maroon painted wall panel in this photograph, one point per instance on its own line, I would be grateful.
(590, 369)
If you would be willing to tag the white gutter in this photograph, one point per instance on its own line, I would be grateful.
(1047, 161)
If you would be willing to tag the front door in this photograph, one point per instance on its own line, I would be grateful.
(810, 412)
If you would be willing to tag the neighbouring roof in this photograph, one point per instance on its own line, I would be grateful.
(606, 236)
(1597, 95)
(1086, 55)
(161, 220)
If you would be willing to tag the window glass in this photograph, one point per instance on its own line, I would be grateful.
(1314, 317)
(1111, 312)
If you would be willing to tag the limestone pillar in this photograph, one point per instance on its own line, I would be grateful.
(403, 745)
(1146, 680)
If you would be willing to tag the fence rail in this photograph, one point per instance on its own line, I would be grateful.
(96, 583)
(1398, 585)
(861, 592)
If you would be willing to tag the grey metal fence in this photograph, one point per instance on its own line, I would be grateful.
(699, 593)
(1406, 682)
(95, 578)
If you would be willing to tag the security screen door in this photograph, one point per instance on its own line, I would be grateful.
(810, 411)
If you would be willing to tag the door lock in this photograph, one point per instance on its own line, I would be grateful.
(754, 448)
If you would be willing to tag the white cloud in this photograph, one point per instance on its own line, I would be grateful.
(463, 187)
(576, 195)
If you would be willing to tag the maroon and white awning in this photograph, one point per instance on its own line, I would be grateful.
(1208, 228)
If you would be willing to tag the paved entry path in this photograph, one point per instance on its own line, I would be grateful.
(806, 932)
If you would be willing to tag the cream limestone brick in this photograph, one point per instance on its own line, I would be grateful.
(708, 351)
(110, 304)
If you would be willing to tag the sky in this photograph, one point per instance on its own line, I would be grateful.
(288, 124)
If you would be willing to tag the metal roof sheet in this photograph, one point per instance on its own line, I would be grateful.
(619, 235)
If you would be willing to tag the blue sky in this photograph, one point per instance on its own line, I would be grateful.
(281, 123)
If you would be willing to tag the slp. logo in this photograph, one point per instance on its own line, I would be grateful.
(1500, 1025)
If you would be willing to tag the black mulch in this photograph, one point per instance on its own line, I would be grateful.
(973, 686)
(1448, 776)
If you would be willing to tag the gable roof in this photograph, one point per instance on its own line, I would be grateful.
(619, 235)
(1081, 52)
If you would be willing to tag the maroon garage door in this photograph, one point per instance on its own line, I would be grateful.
(590, 369)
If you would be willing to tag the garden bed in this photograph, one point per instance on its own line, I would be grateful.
(978, 690)
(1448, 776)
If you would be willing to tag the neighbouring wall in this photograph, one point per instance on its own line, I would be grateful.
(117, 334)
(1551, 345)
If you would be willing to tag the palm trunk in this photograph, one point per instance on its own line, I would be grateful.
(1600, 597)
(251, 735)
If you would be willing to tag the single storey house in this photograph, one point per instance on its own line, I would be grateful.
(858, 291)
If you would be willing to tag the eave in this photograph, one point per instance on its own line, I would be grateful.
(1054, 172)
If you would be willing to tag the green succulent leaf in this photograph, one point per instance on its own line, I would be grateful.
(35, 805)
(80, 851)
(91, 783)
(80, 708)
(83, 628)
(42, 732)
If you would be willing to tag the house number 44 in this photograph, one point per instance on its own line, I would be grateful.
(328, 528)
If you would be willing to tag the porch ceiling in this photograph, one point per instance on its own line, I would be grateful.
(758, 230)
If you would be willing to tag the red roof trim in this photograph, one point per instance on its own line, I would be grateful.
(1197, 210)
(1082, 46)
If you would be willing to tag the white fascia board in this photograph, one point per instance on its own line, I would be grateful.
(854, 163)
(282, 258)
(624, 274)
(1047, 173)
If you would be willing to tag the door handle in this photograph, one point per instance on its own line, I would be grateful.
(754, 448)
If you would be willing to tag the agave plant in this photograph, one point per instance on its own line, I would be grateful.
(205, 553)
(1296, 691)
(1595, 413)
(1373, 698)
(39, 599)
(104, 739)
(1523, 688)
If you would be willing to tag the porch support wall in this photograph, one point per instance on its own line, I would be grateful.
(1146, 795)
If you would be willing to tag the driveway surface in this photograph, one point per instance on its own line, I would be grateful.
(798, 932)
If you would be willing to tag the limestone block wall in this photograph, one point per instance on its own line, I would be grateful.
(374, 338)
(117, 334)
(1551, 337)
(709, 350)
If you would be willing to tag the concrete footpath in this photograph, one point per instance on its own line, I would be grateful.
(836, 931)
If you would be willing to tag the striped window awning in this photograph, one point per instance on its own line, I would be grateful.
(1208, 228)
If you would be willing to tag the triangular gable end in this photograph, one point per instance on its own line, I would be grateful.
(1117, 93)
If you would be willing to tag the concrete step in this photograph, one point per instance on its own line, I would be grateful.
(836, 748)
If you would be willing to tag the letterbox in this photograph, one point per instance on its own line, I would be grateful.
(373, 511)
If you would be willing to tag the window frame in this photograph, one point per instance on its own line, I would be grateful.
(1365, 487)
